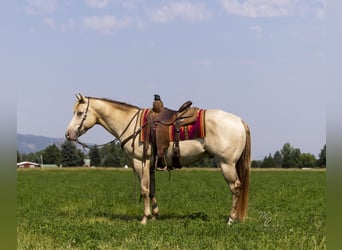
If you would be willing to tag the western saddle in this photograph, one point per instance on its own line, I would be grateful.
(157, 130)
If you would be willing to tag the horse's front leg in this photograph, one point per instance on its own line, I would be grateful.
(155, 210)
(144, 176)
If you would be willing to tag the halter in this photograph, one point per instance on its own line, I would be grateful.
(112, 141)
(83, 119)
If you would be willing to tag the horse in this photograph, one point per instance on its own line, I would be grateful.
(227, 139)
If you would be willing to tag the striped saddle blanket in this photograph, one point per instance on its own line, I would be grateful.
(189, 131)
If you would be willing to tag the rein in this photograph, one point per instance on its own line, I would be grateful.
(84, 145)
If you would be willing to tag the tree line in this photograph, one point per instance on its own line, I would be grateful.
(290, 157)
(111, 155)
(68, 155)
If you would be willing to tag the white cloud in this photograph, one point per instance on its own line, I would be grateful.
(320, 9)
(35, 7)
(260, 8)
(49, 22)
(68, 25)
(182, 10)
(98, 3)
(106, 24)
(274, 8)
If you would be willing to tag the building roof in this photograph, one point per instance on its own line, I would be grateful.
(28, 163)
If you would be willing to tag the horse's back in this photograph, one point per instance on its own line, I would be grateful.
(219, 119)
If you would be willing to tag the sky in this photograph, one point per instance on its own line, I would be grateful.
(265, 61)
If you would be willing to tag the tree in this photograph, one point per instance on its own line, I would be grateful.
(322, 160)
(291, 156)
(268, 162)
(71, 156)
(308, 160)
(286, 153)
(256, 164)
(296, 158)
(95, 157)
(52, 155)
(278, 159)
(18, 156)
(112, 156)
(204, 163)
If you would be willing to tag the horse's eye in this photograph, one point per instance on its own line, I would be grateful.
(79, 113)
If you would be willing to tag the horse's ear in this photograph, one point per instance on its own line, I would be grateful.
(80, 97)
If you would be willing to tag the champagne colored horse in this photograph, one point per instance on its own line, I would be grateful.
(227, 138)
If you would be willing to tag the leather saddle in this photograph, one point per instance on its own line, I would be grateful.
(159, 126)
(185, 113)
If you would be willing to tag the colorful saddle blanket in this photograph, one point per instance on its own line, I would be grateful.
(187, 132)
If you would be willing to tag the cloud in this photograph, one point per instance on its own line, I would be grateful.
(98, 3)
(182, 10)
(271, 8)
(106, 24)
(68, 25)
(36, 7)
(261, 8)
(320, 7)
(49, 22)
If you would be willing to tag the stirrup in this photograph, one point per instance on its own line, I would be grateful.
(160, 164)
(161, 168)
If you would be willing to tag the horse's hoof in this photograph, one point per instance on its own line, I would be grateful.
(154, 217)
(143, 221)
(230, 221)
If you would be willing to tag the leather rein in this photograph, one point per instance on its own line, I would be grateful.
(116, 140)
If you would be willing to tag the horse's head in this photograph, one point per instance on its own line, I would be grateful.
(83, 119)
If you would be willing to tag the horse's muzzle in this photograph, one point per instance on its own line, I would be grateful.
(70, 136)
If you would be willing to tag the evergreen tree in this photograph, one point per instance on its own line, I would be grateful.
(113, 156)
(32, 157)
(94, 155)
(286, 153)
(296, 158)
(268, 162)
(206, 162)
(256, 164)
(18, 157)
(278, 159)
(52, 155)
(322, 160)
(71, 156)
(291, 156)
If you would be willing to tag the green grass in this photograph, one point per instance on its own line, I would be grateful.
(100, 209)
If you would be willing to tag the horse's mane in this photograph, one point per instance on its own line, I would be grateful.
(121, 105)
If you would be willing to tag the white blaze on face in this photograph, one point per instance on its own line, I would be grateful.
(75, 123)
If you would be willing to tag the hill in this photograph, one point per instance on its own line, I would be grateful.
(33, 143)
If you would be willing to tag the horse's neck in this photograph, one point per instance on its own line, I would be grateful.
(114, 117)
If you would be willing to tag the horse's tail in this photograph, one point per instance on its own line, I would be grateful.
(243, 168)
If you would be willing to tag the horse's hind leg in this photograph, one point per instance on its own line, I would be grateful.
(230, 175)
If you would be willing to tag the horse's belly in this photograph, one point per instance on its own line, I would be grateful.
(190, 151)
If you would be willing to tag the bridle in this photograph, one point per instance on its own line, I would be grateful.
(83, 119)
(116, 140)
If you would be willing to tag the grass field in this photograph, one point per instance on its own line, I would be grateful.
(100, 209)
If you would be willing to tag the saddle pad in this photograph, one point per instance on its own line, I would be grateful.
(187, 132)
(192, 130)
(143, 120)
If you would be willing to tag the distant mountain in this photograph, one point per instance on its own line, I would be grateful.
(33, 143)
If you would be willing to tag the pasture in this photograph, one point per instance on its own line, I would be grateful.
(100, 209)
